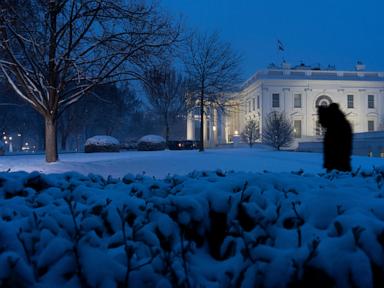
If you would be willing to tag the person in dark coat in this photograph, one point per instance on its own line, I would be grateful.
(337, 139)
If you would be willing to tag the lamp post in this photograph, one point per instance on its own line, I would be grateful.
(10, 144)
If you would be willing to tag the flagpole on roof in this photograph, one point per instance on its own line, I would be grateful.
(280, 49)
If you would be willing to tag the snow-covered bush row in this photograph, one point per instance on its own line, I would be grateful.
(151, 143)
(206, 229)
(101, 143)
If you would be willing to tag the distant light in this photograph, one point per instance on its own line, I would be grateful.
(214, 128)
(5, 137)
(19, 134)
(236, 132)
(6, 142)
(10, 137)
(26, 144)
(4, 133)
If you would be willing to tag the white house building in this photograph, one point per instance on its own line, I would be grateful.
(297, 91)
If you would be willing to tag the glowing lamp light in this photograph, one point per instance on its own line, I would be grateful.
(214, 128)
(236, 132)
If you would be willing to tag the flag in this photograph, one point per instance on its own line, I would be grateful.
(280, 45)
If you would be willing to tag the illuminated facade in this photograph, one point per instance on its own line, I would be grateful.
(297, 92)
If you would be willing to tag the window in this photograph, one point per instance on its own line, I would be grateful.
(371, 101)
(320, 131)
(249, 106)
(371, 125)
(297, 101)
(253, 104)
(349, 101)
(297, 128)
(258, 102)
(275, 100)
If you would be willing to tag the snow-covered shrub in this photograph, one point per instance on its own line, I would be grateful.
(2, 148)
(205, 229)
(101, 143)
(129, 145)
(151, 143)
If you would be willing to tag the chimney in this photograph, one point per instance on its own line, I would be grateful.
(286, 65)
(359, 66)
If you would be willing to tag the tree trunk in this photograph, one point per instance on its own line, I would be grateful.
(50, 140)
(201, 146)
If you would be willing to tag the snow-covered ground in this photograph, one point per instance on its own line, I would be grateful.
(162, 163)
(209, 228)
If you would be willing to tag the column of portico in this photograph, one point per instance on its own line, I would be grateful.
(190, 127)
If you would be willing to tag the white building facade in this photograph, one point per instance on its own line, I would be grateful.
(297, 92)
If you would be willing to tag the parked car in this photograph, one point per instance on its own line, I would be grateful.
(182, 144)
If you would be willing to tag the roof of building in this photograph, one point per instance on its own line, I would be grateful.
(305, 72)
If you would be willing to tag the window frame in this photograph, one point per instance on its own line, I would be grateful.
(297, 134)
(295, 102)
(275, 100)
(371, 101)
(373, 125)
(350, 101)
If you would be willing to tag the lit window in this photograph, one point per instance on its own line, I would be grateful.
(297, 101)
(371, 125)
(371, 101)
(297, 128)
(349, 101)
(320, 131)
(275, 100)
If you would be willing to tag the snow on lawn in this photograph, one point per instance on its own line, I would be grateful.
(162, 163)
(208, 228)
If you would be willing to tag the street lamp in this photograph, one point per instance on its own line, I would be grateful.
(10, 144)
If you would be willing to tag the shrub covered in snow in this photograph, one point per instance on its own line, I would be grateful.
(206, 229)
(2, 148)
(151, 143)
(101, 143)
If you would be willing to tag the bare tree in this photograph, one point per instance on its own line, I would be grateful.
(251, 132)
(166, 93)
(213, 69)
(53, 52)
(277, 130)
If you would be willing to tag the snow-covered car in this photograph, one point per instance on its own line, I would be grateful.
(182, 144)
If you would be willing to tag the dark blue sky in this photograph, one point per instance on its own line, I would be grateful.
(335, 32)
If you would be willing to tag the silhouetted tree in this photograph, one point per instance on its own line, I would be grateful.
(251, 132)
(166, 94)
(213, 70)
(277, 130)
(54, 52)
(107, 110)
